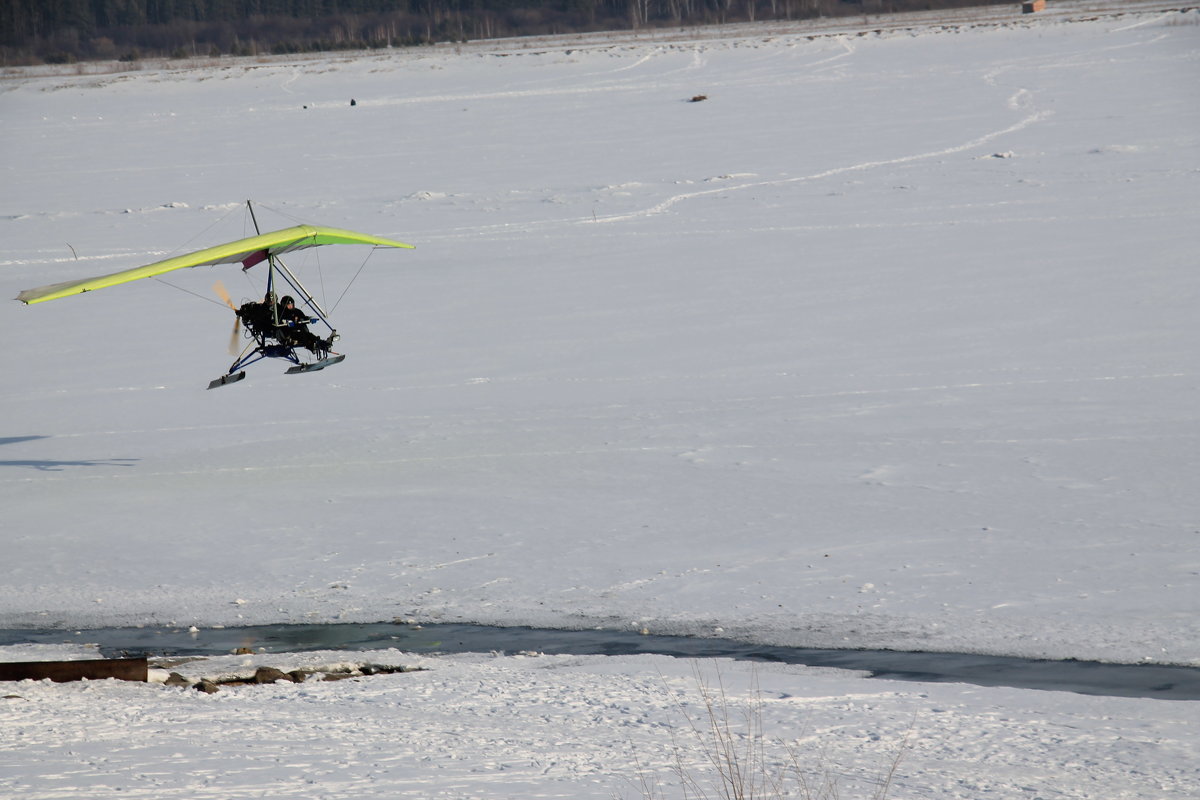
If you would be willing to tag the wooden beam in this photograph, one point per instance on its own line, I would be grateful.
(125, 669)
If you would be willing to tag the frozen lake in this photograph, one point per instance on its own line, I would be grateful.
(888, 344)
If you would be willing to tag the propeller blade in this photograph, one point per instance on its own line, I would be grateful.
(235, 340)
(219, 288)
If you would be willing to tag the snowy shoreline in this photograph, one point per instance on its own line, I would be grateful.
(167, 647)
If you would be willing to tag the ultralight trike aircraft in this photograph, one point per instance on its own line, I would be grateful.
(274, 326)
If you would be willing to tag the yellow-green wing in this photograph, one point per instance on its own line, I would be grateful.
(244, 251)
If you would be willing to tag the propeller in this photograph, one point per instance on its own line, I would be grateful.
(234, 338)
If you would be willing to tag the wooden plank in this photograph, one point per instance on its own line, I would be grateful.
(125, 669)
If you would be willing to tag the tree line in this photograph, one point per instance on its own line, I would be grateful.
(63, 31)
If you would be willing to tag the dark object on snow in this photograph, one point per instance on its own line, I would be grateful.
(125, 669)
(353, 102)
(698, 98)
(270, 675)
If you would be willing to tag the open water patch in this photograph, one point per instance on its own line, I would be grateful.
(1163, 682)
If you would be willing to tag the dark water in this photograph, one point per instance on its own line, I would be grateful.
(1083, 677)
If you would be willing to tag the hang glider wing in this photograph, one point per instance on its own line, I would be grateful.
(247, 252)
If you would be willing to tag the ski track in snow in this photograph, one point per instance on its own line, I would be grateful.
(1022, 99)
(864, 166)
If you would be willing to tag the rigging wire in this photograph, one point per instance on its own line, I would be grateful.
(214, 224)
(317, 258)
(316, 255)
(189, 291)
(352, 280)
(285, 215)
(321, 276)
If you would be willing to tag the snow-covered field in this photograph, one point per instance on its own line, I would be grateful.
(889, 342)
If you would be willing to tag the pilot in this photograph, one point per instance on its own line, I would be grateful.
(294, 330)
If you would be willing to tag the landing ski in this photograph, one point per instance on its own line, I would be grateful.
(227, 379)
(318, 365)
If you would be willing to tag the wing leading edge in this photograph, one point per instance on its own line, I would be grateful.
(248, 251)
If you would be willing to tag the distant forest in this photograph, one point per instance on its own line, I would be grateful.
(65, 31)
